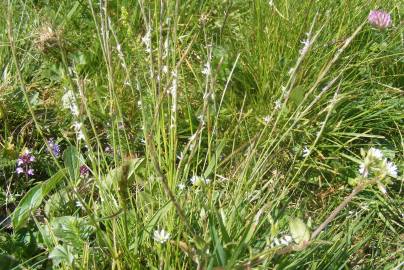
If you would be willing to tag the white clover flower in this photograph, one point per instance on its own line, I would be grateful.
(375, 153)
(391, 169)
(161, 236)
(306, 151)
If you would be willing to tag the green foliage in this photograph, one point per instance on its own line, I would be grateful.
(213, 121)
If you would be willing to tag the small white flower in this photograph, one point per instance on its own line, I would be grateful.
(267, 119)
(306, 45)
(161, 236)
(181, 186)
(206, 69)
(382, 188)
(146, 40)
(69, 102)
(391, 169)
(278, 104)
(199, 180)
(363, 170)
(164, 69)
(306, 151)
(79, 131)
(376, 153)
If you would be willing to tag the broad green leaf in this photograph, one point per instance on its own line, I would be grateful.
(299, 230)
(62, 254)
(29, 203)
(33, 199)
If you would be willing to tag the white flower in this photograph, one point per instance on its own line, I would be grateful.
(181, 186)
(267, 119)
(161, 236)
(69, 102)
(391, 169)
(199, 180)
(306, 44)
(146, 40)
(164, 69)
(206, 69)
(79, 131)
(376, 153)
(363, 170)
(306, 151)
(278, 104)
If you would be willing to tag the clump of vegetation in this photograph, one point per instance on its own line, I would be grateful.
(201, 135)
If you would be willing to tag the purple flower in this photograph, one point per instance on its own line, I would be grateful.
(24, 163)
(26, 158)
(19, 170)
(84, 171)
(30, 172)
(379, 19)
(54, 146)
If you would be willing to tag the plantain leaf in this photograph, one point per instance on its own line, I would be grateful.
(33, 199)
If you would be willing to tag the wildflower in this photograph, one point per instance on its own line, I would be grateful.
(306, 152)
(69, 102)
(278, 104)
(306, 45)
(206, 69)
(24, 163)
(391, 169)
(26, 158)
(161, 236)
(54, 147)
(375, 153)
(79, 131)
(84, 171)
(108, 149)
(363, 170)
(199, 180)
(379, 19)
(30, 172)
(267, 119)
(146, 40)
(181, 186)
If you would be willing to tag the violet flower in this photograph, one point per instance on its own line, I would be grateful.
(24, 163)
(54, 146)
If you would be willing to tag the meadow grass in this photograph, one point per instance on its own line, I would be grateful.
(217, 134)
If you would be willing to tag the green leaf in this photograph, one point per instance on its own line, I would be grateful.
(219, 250)
(299, 230)
(33, 199)
(29, 202)
(71, 159)
(62, 254)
